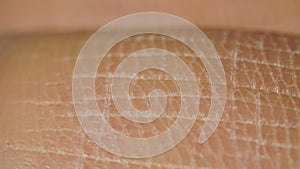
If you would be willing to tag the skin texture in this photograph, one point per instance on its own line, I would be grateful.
(260, 126)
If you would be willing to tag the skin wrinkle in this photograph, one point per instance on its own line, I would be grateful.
(260, 126)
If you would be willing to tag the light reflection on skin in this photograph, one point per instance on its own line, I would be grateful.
(92, 54)
(259, 129)
(260, 125)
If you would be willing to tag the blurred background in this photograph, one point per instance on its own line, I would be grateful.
(17, 16)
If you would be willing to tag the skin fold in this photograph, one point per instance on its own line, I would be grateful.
(260, 126)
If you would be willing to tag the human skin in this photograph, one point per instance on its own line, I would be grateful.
(70, 15)
(260, 126)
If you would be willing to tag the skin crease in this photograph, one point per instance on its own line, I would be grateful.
(260, 123)
(260, 126)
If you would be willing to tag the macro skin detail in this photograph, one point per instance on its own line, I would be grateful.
(260, 126)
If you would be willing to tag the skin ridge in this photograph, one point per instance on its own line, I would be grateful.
(260, 126)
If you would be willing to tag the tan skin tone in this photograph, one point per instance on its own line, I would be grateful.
(259, 127)
(70, 15)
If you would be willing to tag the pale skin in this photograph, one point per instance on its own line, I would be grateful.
(259, 127)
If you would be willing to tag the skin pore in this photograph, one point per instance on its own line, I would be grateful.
(259, 127)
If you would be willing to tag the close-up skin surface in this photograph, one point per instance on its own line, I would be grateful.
(259, 128)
